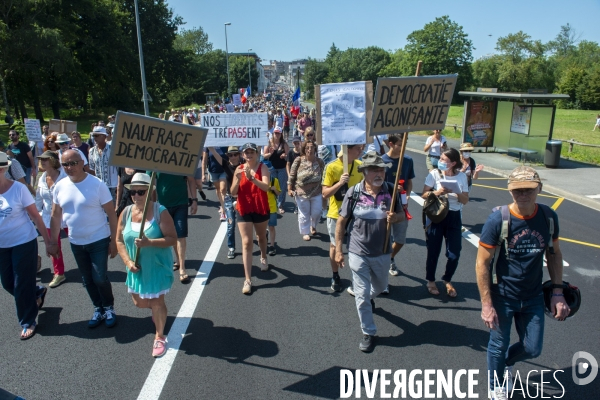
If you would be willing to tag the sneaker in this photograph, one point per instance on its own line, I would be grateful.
(96, 318)
(336, 284)
(57, 280)
(231, 253)
(264, 265)
(508, 378)
(247, 289)
(350, 290)
(386, 290)
(272, 251)
(366, 344)
(159, 348)
(393, 269)
(110, 317)
(498, 394)
(222, 217)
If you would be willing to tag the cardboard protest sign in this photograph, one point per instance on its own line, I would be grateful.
(62, 126)
(230, 107)
(234, 129)
(33, 129)
(343, 111)
(411, 104)
(237, 100)
(154, 144)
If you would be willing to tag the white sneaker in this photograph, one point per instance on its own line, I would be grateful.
(350, 290)
(498, 394)
(393, 268)
(508, 378)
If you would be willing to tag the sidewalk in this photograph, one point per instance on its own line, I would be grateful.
(572, 180)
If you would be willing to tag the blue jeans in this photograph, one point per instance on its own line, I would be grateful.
(18, 267)
(282, 176)
(92, 261)
(230, 214)
(529, 322)
(450, 229)
(27, 175)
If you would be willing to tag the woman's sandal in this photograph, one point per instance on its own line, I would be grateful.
(306, 237)
(28, 333)
(313, 231)
(450, 290)
(184, 278)
(175, 266)
(432, 288)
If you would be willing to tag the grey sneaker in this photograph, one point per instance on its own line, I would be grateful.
(336, 284)
(231, 253)
(393, 268)
(350, 290)
(367, 343)
(498, 394)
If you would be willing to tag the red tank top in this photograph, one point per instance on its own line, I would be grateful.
(251, 199)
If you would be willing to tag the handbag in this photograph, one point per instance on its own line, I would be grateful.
(435, 208)
(341, 193)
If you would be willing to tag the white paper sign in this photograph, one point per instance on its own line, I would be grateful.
(33, 129)
(520, 119)
(235, 129)
(343, 113)
(237, 100)
(230, 108)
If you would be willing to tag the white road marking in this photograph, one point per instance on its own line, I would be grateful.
(162, 366)
(467, 234)
(593, 196)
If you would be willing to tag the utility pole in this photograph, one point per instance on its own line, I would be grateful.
(227, 52)
(145, 96)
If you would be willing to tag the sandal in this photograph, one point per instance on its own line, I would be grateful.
(40, 300)
(184, 278)
(306, 237)
(264, 265)
(450, 290)
(28, 333)
(313, 231)
(175, 266)
(281, 211)
(432, 288)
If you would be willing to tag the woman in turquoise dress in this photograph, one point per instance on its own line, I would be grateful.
(151, 277)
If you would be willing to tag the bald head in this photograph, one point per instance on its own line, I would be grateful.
(70, 155)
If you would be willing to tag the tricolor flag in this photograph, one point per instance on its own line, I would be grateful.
(296, 102)
(246, 95)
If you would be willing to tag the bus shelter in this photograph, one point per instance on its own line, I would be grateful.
(520, 123)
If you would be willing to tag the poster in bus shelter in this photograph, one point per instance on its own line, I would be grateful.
(479, 122)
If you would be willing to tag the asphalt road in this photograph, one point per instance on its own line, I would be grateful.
(291, 337)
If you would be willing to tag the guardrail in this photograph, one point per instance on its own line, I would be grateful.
(455, 126)
(573, 142)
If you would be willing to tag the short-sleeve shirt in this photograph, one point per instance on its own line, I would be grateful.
(20, 151)
(82, 210)
(332, 175)
(520, 276)
(292, 155)
(408, 170)
(98, 162)
(377, 143)
(433, 181)
(15, 171)
(171, 190)
(271, 196)
(213, 166)
(15, 226)
(436, 148)
(367, 233)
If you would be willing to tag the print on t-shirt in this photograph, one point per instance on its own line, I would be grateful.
(5, 209)
(527, 241)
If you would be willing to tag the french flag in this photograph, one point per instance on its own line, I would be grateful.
(296, 101)
(246, 95)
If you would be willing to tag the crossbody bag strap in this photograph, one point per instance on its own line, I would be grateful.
(503, 238)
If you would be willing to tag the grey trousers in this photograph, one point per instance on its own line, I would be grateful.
(370, 277)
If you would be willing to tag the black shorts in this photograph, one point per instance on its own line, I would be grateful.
(180, 217)
(255, 218)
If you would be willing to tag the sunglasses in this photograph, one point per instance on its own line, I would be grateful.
(522, 192)
(69, 163)
(233, 154)
(63, 143)
(310, 134)
(139, 192)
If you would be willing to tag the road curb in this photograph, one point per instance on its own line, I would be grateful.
(584, 201)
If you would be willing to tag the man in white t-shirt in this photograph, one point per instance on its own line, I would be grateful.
(99, 155)
(84, 202)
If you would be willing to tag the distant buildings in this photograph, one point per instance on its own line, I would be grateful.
(262, 80)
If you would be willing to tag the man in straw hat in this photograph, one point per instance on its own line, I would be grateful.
(369, 262)
(513, 288)
(84, 203)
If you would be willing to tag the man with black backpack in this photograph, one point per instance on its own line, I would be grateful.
(368, 204)
(510, 259)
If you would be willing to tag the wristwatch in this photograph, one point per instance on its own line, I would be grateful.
(190, 201)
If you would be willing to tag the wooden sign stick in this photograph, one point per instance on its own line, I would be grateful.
(144, 213)
(398, 174)
(345, 157)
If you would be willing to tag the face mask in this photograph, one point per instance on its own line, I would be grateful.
(466, 154)
(442, 166)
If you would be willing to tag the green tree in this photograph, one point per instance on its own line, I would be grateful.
(238, 71)
(194, 40)
(315, 73)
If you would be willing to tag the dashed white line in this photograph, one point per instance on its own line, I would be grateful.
(162, 366)
(593, 196)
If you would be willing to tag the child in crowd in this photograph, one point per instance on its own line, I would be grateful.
(272, 194)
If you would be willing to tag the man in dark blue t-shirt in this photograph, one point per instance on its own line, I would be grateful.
(407, 174)
(217, 176)
(518, 292)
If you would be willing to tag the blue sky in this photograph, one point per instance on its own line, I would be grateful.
(290, 30)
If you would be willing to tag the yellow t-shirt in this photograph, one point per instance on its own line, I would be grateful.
(333, 172)
(272, 197)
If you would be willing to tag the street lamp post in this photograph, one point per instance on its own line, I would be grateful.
(227, 52)
(249, 76)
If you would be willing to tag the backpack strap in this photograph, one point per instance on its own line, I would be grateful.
(550, 223)
(503, 238)
(353, 202)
